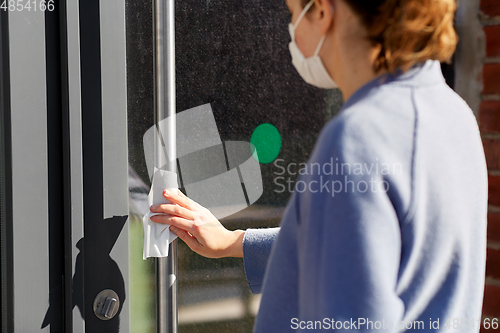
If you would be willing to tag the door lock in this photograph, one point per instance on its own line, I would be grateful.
(106, 304)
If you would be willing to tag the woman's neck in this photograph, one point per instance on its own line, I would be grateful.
(355, 70)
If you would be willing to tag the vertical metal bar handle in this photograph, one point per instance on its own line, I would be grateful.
(164, 103)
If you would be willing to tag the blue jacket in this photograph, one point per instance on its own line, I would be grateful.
(387, 225)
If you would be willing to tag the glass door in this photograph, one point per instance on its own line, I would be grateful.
(231, 58)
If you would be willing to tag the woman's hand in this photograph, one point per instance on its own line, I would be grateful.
(197, 227)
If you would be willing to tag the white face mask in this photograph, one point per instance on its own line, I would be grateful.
(310, 69)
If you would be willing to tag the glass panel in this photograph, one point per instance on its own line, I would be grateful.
(233, 55)
(140, 118)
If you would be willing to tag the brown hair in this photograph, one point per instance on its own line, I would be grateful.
(408, 31)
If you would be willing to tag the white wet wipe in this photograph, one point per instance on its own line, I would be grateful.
(157, 236)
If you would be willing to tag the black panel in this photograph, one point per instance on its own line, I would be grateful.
(233, 55)
(99, 270)
(6, 252)
(66, 174)
(54, 315)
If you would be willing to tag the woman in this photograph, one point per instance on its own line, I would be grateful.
(396, 240)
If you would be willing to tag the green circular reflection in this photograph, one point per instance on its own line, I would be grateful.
(267, 141)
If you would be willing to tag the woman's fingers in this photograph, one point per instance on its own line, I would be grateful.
(174, 197)
(186, 237)
(176, 221)
(195, 225)
(173, 209)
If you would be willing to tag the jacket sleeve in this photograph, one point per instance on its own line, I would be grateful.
(257, 244)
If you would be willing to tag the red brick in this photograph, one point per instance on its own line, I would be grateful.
(491, 78)
(490, 7)
(493, 263)
(494, 227)
(492, 153)
(489, 116)
(492, 33)
(494, 190)
(491, 301)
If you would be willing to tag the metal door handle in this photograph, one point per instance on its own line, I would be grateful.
(106, 304)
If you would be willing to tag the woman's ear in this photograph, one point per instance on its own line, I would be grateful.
(325, 11)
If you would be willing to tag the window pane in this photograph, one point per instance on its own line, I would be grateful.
(233, 55)
(140, 118)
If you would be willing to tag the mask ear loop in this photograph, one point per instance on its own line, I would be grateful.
(304, 11)
(320, 44)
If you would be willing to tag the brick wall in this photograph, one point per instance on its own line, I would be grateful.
(489, 124)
